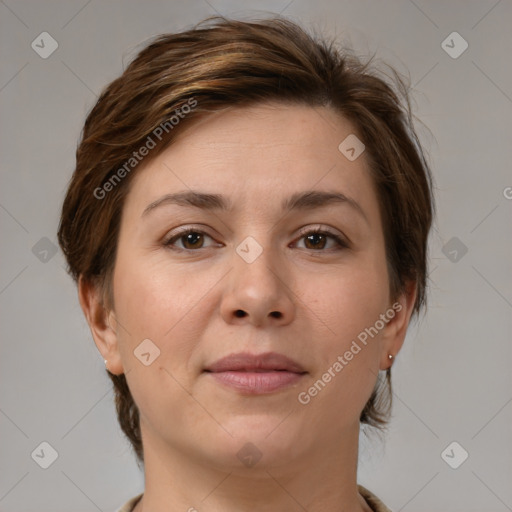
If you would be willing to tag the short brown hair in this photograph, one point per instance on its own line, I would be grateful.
(223, 63)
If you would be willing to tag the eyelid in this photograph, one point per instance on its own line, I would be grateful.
(182, 231)
(341, 240)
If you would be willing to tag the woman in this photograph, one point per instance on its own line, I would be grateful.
(247, 224)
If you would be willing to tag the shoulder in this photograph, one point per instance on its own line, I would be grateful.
(130, 505)
(375, 504)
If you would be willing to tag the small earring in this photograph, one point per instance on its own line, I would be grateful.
(106, 364)
(390, 356)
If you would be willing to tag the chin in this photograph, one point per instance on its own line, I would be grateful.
(264, 437)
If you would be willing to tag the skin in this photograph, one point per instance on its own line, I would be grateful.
(185, 302)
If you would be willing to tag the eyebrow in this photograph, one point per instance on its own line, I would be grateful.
(216, 202)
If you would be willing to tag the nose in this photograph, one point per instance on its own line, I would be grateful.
(258, 292)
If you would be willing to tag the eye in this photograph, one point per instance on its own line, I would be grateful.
(317, 239)
(190, 239)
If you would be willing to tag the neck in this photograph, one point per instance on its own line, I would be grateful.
(323, 480)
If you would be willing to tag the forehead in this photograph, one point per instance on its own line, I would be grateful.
(256, 153)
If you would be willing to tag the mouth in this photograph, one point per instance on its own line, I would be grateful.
(256, 374)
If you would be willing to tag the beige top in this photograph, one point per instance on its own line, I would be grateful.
(374, 503)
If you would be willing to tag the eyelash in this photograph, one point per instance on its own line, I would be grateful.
(341, 242)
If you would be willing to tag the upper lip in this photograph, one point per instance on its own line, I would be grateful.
(244, 361)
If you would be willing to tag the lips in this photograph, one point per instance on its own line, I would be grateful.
(243, 361)
(256, 374)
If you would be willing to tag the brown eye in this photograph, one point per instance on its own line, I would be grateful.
(190, 239)
(318, 240)
(315, 241)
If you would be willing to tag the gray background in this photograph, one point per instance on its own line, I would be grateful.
(453, 378)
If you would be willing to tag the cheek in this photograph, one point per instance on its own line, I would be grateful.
(161, 302)
(350, 300)
(347, 355)
(347, 308)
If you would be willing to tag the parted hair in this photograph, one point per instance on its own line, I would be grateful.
(222, 63)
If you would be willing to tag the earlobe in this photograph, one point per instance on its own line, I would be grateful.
(396, 329)
(101, 323)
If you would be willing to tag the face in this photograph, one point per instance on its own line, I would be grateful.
(284, 260)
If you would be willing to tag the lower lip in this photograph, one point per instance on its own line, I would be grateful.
(257, 382)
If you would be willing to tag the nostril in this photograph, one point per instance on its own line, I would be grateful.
(239, 313)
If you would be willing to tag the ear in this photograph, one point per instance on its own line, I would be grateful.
(102, 323)
(393, 334)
